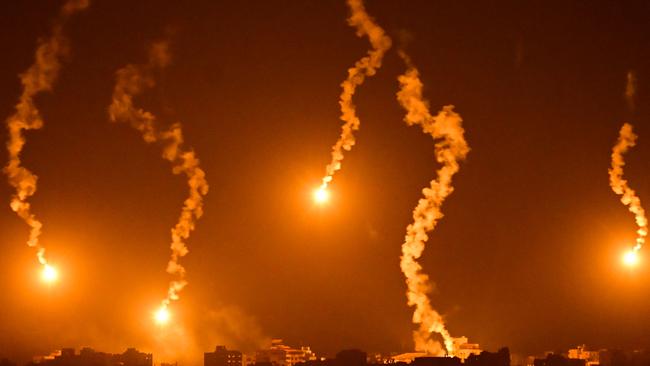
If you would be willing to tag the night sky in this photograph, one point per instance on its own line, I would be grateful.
(527, 255)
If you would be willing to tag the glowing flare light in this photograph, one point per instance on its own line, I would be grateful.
(321, 195)
(49, 274)
(162, 316)
(631, 258)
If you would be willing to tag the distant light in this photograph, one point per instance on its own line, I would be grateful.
(631, 258)
(162, 316)
(49, 274)
(321, 195)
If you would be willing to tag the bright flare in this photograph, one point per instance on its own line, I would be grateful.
(162, 316)
(631, 258)
(50, 274)
(321, 195)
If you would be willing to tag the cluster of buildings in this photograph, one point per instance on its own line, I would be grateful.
(463, 349)
(279, 354)
(467, 354)
(581, 356)
(90, 357)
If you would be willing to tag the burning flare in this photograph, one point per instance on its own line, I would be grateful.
(450, 147)
(626, 140)
(162, 316)
(132, 80)
(49, 274)
(321, 195)
(367, 66)
(40, 77)
(631, 258)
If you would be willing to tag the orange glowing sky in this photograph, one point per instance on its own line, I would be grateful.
(532, 233)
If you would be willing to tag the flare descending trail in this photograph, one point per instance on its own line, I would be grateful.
(367, 66)
(626, 140)
(450, 147)
(40, 77)
(132, 80)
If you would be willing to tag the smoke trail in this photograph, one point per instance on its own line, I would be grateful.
(451, 147)
(40, 77)
(626, 140)
(630, 89)
(367, 66)
(132, 80)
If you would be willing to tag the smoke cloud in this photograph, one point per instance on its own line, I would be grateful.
(186, 341)
(365, 67)
(132, 80)
(450, 147)
(40, 77)
(626, 140)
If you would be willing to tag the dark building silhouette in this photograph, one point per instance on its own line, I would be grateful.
(325, 362)
(89, 357)
(134, 358)
(618, 357)
(351, 357)
(558, 360)
(6, 362)
(500, 358)
(437, 361)
(222, 357)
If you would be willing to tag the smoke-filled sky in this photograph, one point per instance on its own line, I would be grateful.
(527, 255)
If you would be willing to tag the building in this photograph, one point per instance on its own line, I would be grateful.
(465, 350)
(591, 358)
(462, 350)
(132, 357)
(89, 357)
(222, 357)
(436, 361)
(6, 362)
(406, 357)
(500, 358)
(558, 360)
(281, 355)
(351, 357)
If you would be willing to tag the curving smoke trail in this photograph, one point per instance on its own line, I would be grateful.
(451, 147)
(630, 89)
(626, 140)
(132, 80)
(367, 66)
(40, 77)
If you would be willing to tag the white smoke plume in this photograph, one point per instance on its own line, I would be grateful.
(40, 77)
(132, 80)
(626, 140)
(450, 147)
(365, 67)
